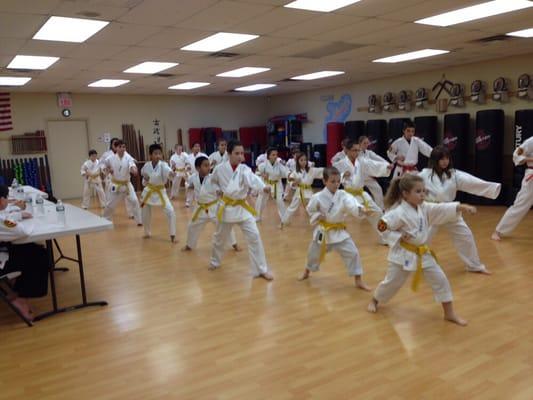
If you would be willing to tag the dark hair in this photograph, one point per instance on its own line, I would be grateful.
(270, 150)
(154, 147)
(119, 142)
(199, 160)
(407, 124)
(438, 153)
(330, 171)
(113, 140)
(349, 143)
(344, 141)
(4, 191)
(232, 144)
(92, 151)
(297, 158)
(196, 143)
(221, 140)
(362, 138)
(398, 186)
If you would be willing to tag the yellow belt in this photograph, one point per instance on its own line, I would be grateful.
(303, 187)
(154, 189)
(120, 183)
(358, 193)
(94, 176)
(181, 169)
(328, 226)
(275, 184)
(203, 207)
(228, 201)
(419, 251)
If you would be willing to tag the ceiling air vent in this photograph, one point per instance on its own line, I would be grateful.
(163, 75)
(493, 39)
(222, 54)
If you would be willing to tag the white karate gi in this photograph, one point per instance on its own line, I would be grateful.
(91, 172)
(216, 158)
(205, 211)
(235, 186)
(121, 187)
(291, 166)
(444, 191)
(409, 150)
(302, 184)
(359, 171)
(370, 182)
(191, 158)
(107, 180)
(334, 207)
(273, 175)
(260, 159)
(524, 199)
(338, 157)
(178, 163)
(417, 223)
(155, 194)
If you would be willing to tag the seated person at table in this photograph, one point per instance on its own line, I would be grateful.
(29, 259)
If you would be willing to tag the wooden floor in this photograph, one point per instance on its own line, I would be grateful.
(174, 330)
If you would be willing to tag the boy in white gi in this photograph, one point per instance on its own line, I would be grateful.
(524, 199)
(91, 170)
(411, 218)
(195, 153)
(121, 166)
(341, 154)
(206, 204)
(220, 155)
(235, 180)
(178, 163)
(404, 150)
(291, 166)
(370, 182)
(272, 171)
(354, 172)
(442, 182)
(328, 210)
(155, 175)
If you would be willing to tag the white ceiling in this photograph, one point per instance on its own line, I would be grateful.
(291, 42)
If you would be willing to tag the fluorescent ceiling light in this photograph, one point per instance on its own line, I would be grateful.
(13, 80)
(478, 11)
(63, 29)
(253, 88)
(320, 5)
(150, 67)
(317, 75)
(240, 72)
(108, 83)
(219, 41)
(189, 85)
(413, 55)
(526, 33)
(31, 62)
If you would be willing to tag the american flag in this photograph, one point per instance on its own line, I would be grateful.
(6, 124)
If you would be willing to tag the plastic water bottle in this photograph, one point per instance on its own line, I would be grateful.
(19, 193)
(60, 211)
(14, 183)
(29, 204)
(39, 205)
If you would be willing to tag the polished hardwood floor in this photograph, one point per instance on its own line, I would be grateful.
(174, 330)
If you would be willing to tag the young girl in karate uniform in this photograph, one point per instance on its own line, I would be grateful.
(155, 175)
(272, 172)
(328, 210)
(411, 218)
(91, 170)
(442, 183)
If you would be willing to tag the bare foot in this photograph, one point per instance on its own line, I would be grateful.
(361, 285)
(456, 319)
(212, 267)
(186, 248)
(372, 306)
(173, 239)
(266, 276)
(236, 247)
(147, 236)
(139, 224)
(305, 275)
(24, 308)
(480, 271)
(496, 236)
(280, 226)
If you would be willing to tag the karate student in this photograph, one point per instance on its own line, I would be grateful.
(235, 180)
(370, 182)
(30, 259)
(354, 172)
(206, 204)
(155, 175)
(178, 163)
(411, 218)
(291, 166)
(328, 210)
(301, 180)
(191, 158)
(404, 150)
(442, 183)
(524, 199)
(91, 170)
(272, 171)
(341, 154)
(220, 155)
(121, 166)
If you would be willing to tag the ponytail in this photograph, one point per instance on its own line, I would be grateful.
(398, 186)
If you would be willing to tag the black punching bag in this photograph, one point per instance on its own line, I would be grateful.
(395, 129)
(523, 130)
(376, 130)
(488, 159)
(354, 129)
(456, 133)
(426, 129)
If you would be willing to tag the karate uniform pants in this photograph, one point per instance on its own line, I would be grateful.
(87, 186)
(396, 277)
(293, 206)
(176, 186)
(519, 209)
(169, 213)
(195, 229)
(346, 249)
(263, 198)
(129, 196)
(129, 210)
(375, 190)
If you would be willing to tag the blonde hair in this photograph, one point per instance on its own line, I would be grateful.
(399, 185)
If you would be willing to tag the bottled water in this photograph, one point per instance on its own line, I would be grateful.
(39, 205)
(29, 204)
(19, 194)
(14, 183)
(60, 211)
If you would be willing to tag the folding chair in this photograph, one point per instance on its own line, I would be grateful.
(5, 278)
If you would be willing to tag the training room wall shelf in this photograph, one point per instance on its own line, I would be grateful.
(28, 143)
